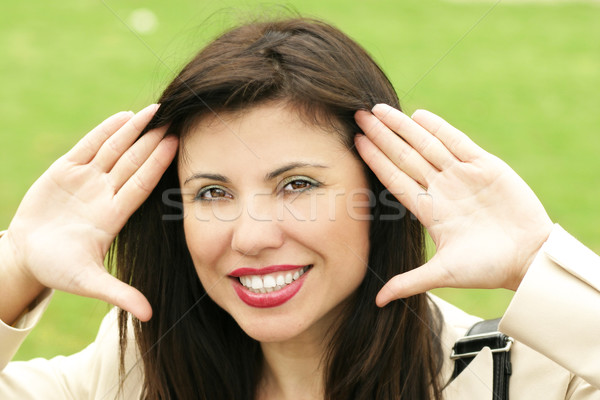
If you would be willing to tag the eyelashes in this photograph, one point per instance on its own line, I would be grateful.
(213, 192)
(298, 184)
(291, 185)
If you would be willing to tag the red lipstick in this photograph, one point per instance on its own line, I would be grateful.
(268, 299)
(263, 271)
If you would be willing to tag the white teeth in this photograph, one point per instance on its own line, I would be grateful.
(272, 282)
(257, 283)
(269, 282)
(280, 280)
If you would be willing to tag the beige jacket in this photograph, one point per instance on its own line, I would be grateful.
(554, 317)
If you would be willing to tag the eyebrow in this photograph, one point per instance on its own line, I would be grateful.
(269, 176)
(212, 177)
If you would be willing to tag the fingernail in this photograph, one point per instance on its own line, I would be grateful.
(418, 110)
(151, 108)
(124, 114)
(380, 107)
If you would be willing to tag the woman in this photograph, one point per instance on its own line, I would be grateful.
(256, 255)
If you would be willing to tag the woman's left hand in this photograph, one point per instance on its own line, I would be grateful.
(486, 223)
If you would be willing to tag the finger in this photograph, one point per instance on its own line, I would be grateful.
(395, 148)
(107, 288)
(402, 186)
(418, 280)
(455, 141)
(140, 185)
(114, 147)
(85, 150)
(135, 157)
(426, 144)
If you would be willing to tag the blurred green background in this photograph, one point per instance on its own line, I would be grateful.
(521, 78)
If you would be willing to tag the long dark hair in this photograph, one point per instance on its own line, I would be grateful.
(191, 347)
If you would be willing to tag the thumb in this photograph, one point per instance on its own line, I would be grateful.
(111, 290)
(410, 283)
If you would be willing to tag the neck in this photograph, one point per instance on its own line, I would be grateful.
(294, 369)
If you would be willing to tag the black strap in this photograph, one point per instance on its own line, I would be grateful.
(486, 334)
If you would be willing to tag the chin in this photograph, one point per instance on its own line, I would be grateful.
(271, 330)
(281, 328)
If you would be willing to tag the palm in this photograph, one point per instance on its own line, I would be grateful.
(68, 219)
(485, 221)
(76, 206)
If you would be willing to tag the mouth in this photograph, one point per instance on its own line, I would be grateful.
(272, 282)
(269, 290)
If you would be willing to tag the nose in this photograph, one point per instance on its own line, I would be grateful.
(256, 231)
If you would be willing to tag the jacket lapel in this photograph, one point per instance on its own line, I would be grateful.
(476, 381)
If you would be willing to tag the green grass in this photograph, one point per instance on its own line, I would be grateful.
(523, 83)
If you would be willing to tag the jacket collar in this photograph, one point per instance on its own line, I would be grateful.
(476, 381)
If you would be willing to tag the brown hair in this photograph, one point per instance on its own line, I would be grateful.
(191, 347)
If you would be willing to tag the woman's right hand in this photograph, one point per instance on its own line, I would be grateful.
(68, 219)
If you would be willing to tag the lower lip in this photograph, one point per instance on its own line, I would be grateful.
(266, 300)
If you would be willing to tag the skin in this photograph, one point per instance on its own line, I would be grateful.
(78, 206)
(486, 223)
(243, 220)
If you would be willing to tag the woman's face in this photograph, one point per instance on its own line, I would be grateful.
(276, 219)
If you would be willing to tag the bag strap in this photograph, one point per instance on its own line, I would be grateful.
(486, 334)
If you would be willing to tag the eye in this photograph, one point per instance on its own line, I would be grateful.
(211, 193)
(299, 184)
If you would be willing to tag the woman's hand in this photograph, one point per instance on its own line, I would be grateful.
(486, 223)
(68, 219)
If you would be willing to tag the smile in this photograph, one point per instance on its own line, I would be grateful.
(271, 282)
(270, 289)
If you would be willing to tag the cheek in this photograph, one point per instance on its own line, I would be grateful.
(206, 242)
(338, 227)
(353, 220)
(353, 217)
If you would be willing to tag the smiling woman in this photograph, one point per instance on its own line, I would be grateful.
(271, 182)
(262, 277)
(290, 222)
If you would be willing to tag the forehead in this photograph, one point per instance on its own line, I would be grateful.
(264, 132)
